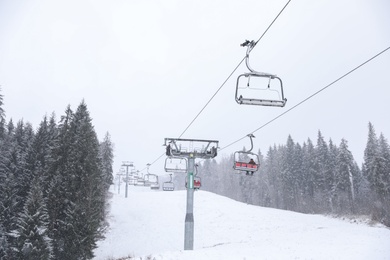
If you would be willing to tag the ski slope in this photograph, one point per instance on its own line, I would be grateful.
(150, 225)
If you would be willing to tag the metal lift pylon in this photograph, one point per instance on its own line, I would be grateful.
(188, 148)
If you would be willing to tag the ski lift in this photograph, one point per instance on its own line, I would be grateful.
(151, 180)
(168, 185)
(140, 181)
(268, 86)
(197, 179)
(155, 185)
(175, 164)
(133, 177)
(132, 180)
(250, 166)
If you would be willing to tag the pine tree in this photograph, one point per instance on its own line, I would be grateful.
(384, 177)
(309, 175)
(107, 158)
(86, 188)
(323, 182)
(333, 171)
(11, 174)
(2, 118)
(289, 174)
(31, 235)
(345, 180)
(4, 197)
(273, 168)
(371, 154)
(60, 173)
(20, 152)
(384, 166)
(375, 171)
(4, 247)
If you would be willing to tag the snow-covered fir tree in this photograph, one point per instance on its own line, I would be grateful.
(53, 187)
(344, 180)
(31, 235)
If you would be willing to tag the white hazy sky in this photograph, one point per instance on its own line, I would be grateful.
(146, 68)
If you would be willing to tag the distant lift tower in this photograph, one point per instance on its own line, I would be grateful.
(190, 149)
(127, 165)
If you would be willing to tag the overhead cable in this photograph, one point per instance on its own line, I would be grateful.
(311, 96)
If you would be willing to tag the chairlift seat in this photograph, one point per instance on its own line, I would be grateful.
(168, 188)
(154, 186)
(197, 184)
(261, 102)
(243, 166)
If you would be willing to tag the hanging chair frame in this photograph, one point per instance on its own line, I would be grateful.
(281, 102)
(246, 166)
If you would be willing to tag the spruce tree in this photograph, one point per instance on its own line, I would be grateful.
(309, 175)
(289, 175)
(86, 187)
(371, 154)
(345, 179)
(333, 155)
(375, 172)
(322, 182)
(384, 167)
(107, 158)
(59, 175)
(2, 118)
(32, 240)
(4, 247)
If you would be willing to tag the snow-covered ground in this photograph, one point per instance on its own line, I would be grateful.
(150, 225)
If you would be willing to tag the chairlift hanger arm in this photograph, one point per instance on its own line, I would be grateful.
(250, 150)
(251, 45)
(250, 137)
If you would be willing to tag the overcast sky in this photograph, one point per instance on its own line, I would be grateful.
(146, 68)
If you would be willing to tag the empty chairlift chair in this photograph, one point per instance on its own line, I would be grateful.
(151, 180)
(168, 185)
(260, 88)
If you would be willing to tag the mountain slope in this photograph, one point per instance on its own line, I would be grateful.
(151, 223)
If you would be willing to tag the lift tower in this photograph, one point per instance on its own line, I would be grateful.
(190, 149)
(127, 165)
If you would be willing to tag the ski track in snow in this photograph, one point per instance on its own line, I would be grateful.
(151, 224)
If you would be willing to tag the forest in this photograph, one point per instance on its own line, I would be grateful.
(54, 185)
(318, 178)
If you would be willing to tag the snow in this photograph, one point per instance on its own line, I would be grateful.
(150, 225)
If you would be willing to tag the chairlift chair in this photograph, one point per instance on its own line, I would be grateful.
(132, 180)
(140, 182)
(153, 181)
(248, 166)
(248, 94)
(176, 164)
(168, 185)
